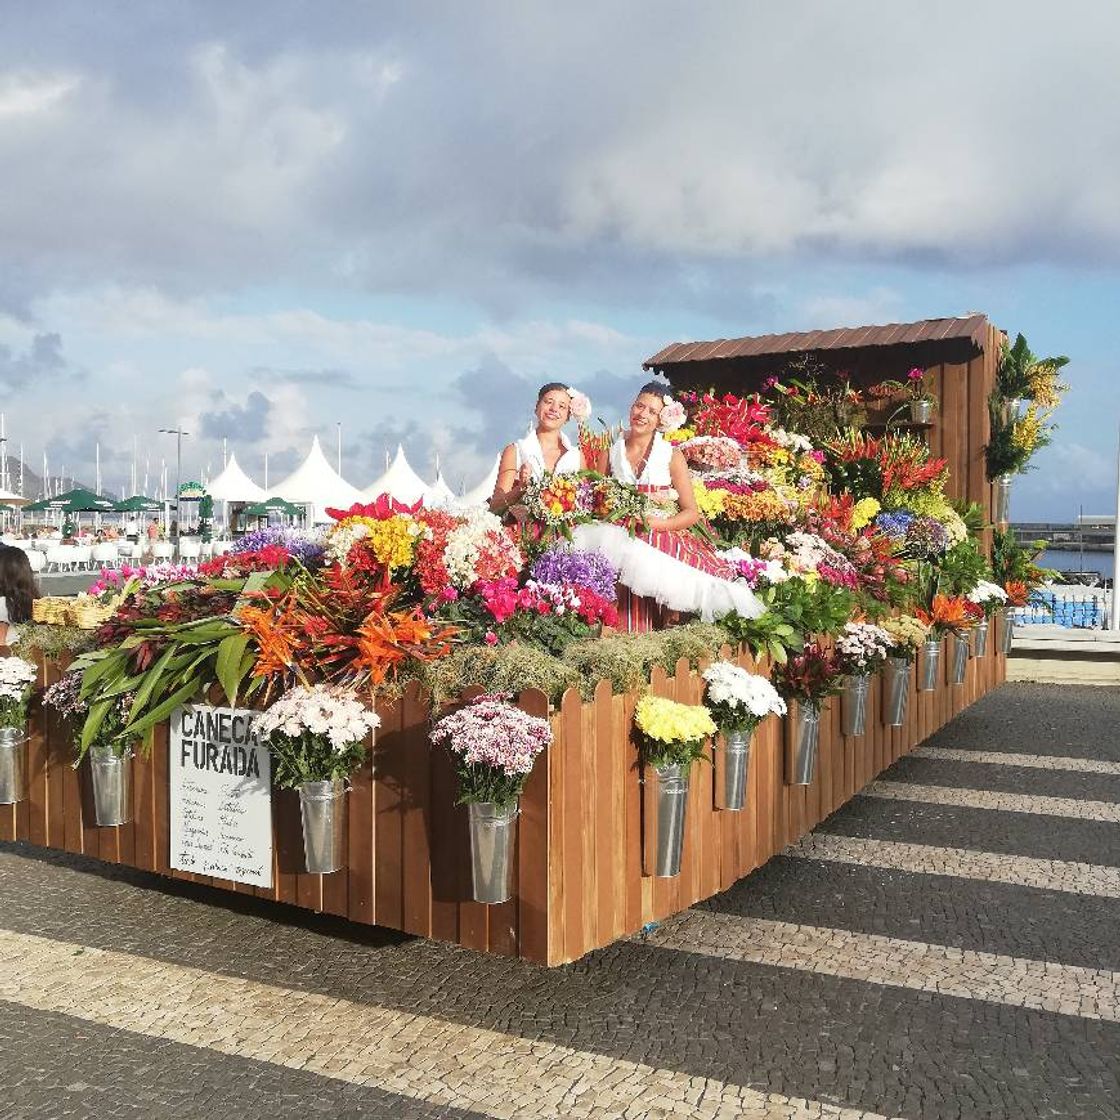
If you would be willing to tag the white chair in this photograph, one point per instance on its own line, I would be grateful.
(222, 547)
(190, 548)
(36, 559)
(58, 557)
(206, 550)
(133, 551)
(81, 556)
(105, 555)
(163, 550)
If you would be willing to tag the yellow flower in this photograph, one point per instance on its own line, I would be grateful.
(709, 502)
(669, 722)
(863, 511)
(680, 435)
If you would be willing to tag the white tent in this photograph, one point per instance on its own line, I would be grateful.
(400, 482)
(234, 485)
(316, 483)
(439, 495)
(480, 495)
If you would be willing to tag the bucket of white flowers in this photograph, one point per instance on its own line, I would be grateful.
(318, 737)
(17, 677)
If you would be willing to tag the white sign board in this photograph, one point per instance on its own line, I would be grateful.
(221, 795)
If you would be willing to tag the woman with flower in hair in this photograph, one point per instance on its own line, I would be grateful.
(665, 569)
(545, 448)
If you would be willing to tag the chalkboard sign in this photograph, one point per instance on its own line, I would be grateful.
(221, 795)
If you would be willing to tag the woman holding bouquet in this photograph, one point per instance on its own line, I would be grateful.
(544, 449)
(664, 568)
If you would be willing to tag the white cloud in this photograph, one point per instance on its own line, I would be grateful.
(24, 95)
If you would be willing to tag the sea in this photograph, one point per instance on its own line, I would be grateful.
(1073, 560)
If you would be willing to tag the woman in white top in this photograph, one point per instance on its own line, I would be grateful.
(544, 449)
(666, 566)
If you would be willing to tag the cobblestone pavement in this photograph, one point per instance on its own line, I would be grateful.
(947, 951)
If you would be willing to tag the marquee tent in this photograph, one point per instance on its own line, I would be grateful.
(439, 495)
(234, 485)
(316, 483)
(480, 495)
(400, 482)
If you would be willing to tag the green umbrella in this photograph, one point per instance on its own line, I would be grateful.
(74, 501)
(139, 504)
(6, 508)
(273, 505)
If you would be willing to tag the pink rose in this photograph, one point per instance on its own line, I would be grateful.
(580, 404)
(491, 638)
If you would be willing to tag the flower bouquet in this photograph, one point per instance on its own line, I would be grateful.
(808, 678)
(907, 633)
(495, 745)
(672, 737)
(109, 749)
(738, 702)
(16, 680)
(861, 648)
(990, 599)
(317, 737)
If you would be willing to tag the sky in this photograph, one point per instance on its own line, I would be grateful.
(263, 220)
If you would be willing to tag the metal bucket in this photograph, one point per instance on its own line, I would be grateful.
(806, 737)
(731, 770)
(12, 755)
(322, 807)
(896, 695)
(665, 797)
(921, 411)
(853, 704)
(960, 659)
(980, 639)
(112, 786)
(931, 662)
(1008, 631)
(493, 828)
(1001, 499)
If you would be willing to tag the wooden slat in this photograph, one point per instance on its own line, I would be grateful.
(360, 851)
(531, 900)
(415, 777)
(575, 775)
(609, 818)
(388, 810)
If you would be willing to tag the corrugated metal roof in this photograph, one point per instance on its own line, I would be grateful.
(973, 327)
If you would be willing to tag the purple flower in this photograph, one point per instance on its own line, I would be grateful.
(926, 538)
(303, 548)
(575, 567)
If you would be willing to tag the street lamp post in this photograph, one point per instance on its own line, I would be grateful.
(178, 433)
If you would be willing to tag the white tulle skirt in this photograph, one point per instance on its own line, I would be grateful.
(675, 584)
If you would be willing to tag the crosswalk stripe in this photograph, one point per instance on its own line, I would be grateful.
(417, 1056)
(962, 863)
(992, 977)
(1071, 807)
(1013, 758)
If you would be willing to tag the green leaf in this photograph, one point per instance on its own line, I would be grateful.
(97, 713)
(181, 696)
(228, 666)
(151, 679)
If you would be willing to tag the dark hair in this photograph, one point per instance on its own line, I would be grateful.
(655, 388)
(549, 387)
(17, 583)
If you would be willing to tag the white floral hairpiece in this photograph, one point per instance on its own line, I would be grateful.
(579, 404)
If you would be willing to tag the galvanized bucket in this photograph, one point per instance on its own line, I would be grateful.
(731, 770)
(1008, 629)
(12, 762)
(980, 639)
(896, 695)
(665, 797)
(921, 411)
(1001, 499)
(112, 786)
(322, 807)
(806, 737)
(853, 704)
(931, 662)
(960, 659)
(493, 829)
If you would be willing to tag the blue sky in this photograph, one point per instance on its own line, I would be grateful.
(260, 220)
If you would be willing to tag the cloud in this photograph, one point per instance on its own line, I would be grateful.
(395, 152)
(332, 378)
(43, 359)
(247, 423)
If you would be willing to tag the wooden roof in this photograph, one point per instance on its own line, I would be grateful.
(973, 328)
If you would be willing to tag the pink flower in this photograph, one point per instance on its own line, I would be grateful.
(448, 595)
(817, 456)
(916, 374)
(580, 404)
(491, 638)
(672, 416)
